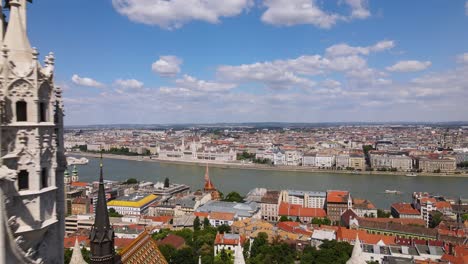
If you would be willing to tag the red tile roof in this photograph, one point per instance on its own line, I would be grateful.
(344, 234)
(403, 221)
(221, 240)
(337, 196)
(163, 219)
(428, 199)
(221, 216)
(294, 227)
(79, 184)
(69, 242)
(173, 240)
(405, 208)
(122, 242)
(287, 209)
(201, 214)
(443, 205)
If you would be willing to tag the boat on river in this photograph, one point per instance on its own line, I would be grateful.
(392, 192)
(77, 161)
(411, 174)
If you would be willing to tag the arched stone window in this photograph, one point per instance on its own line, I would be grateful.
(44, 97)
(21, 111)
(23, 180)
(42, 112)
(44, 178)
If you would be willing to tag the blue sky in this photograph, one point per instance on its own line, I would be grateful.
(160, 61)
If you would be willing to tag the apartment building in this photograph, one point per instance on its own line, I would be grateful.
(308, 199)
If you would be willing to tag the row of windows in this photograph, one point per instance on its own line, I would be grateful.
(23, 179)
(22, 111)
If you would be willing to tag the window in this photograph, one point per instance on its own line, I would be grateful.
(42, 112)
(23, 180)
(21, 111)
(44, 178)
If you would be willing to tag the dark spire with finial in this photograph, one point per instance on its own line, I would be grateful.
(102, 234)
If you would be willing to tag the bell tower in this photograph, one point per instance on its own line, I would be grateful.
(32, 160)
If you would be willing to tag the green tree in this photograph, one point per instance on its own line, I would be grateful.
(196, 224)
(131, 181)
(260, 241)
(383, 214)
(186, 233)
(184, 255)
(436, 219)
(113, 213)
(321, 221)
(168, 251)
(284, 218)
(367, 148)
(206, 222)
(224, 229)
(161, 234)
(246, 249)
(67, 255)
(234, 197)
(166, 183)
(465, 217)
(330, 251)
(86, 254)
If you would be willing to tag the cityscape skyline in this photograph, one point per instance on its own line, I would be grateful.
(310, 61)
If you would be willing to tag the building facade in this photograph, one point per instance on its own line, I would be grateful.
(269, 206)
(307, 199)
(134, 204)
(337, 203)
(31, 148)
(437, 165)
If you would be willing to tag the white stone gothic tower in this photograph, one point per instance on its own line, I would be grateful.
(32, 160)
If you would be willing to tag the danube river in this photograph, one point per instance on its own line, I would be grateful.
(370, 187)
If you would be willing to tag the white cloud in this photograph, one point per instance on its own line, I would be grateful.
(409, 66)
(466, 8)
(275, 75)
(85, 81)
(437, 96)
(170, 14)
(463, 58)
(286, 74)
(344, 49)
(167, 66)
(192, 83)
(294, 12)
(359, 8)
(129, 83)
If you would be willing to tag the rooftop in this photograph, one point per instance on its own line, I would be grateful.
(133, 200)
(337, 196)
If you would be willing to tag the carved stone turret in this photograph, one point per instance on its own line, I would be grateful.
(31, 145)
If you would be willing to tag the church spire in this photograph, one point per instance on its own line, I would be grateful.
(356, 256)
(238, 255)
(77, 257)
(208, 184)
(102, 234)
(16, 38)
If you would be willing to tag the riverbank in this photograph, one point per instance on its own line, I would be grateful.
(248, 166)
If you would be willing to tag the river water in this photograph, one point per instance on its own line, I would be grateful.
(370, 187)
